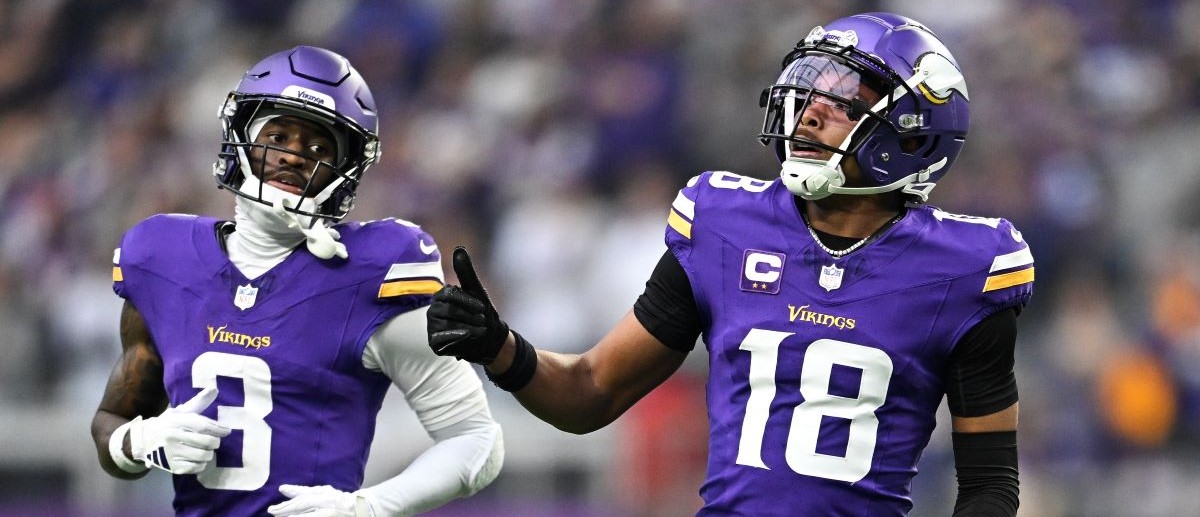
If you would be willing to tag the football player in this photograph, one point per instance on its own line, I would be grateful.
(257, 352)
(836, 306)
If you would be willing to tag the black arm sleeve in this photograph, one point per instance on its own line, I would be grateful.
(980, 377)
(986, 464)
(667, 308)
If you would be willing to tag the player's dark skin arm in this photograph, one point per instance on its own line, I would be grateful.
(134, 388)
(580, 393)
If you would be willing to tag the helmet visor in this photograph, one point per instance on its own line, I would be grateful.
(833, 76)
(823, 85)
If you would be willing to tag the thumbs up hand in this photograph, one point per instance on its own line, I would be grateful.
(463, 323)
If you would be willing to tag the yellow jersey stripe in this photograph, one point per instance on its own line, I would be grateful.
(680, 224)
(403, 287)
(117, 276)
(1023, 276)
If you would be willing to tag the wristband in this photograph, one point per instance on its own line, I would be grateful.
(116, 449)
(520, 372)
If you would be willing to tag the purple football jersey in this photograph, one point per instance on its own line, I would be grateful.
(284, 350)
(825, 373)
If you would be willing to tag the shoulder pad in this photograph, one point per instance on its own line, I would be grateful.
(157, 234)
(407, 254)
(718, 188)
(157, 239)
(998, 264)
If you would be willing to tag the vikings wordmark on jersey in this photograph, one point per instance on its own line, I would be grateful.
(284, 349)
(826, 372)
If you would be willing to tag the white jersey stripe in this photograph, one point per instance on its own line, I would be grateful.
(1017, 258)
(685, 206)
(415, 270)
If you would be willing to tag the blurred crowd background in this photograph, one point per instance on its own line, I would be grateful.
(550, 136)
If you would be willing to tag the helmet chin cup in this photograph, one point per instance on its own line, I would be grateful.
(811, 179)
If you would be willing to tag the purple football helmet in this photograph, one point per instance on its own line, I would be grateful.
(907, 139)
(315, 84)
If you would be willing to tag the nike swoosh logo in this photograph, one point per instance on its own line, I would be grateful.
(1016, 235)
(427, 249)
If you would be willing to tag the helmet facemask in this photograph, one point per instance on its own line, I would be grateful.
(833, 79)
(828, 79)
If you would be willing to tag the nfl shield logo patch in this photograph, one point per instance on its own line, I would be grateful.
(831, 277)
(245, 297)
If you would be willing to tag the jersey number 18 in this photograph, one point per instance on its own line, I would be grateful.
(819, 360)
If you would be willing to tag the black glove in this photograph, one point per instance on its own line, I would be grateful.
(463, 323)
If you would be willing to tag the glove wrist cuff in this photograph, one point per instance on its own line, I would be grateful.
(524, 365)
(116, 447)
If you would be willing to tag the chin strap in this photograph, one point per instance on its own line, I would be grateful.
(919, 190)
(811, 179)
(321, 240)
(815, 179)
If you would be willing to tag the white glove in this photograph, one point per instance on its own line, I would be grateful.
(180, 440)
(320, 501)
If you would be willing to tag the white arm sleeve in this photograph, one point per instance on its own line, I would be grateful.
(448, 398)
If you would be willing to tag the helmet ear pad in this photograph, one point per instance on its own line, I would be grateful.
(342, 198)
(880, 155)
(888, 154)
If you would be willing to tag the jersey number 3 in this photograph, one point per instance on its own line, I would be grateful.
(256, 434)
(819, 361)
